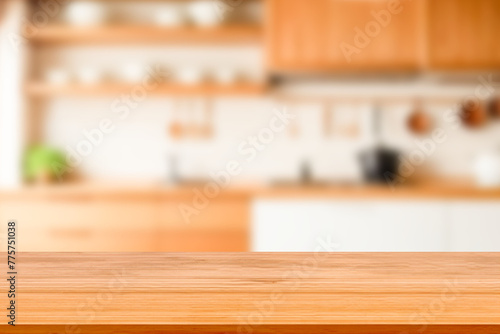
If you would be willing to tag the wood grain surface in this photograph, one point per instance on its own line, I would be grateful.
(125, 34)
(431, 189)
(257, 289)
(262, 329)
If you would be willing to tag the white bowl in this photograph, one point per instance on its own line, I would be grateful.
(169, 15)
(57, 76)
(85, 13)
(487, 169)
(204, 13)
(226, 76)
(190, 76)
(88, 75)
(133, 73)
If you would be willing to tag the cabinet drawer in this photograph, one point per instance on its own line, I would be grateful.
(202, 241)
(129, 215)
(82, 226)
(75, 239)
(221, 226)
(219, 214)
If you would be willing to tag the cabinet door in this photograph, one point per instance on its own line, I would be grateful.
(220, 225)
(296, 31)
(475, 227)
(362, 226)
(82, 225)
(464, 33)
(288, 226)
(344, 34)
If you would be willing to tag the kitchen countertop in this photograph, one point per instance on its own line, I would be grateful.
(435, 189)
(254, 290)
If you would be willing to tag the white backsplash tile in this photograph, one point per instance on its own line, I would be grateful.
(140, 145)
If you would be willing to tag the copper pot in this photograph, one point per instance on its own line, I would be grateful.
(494, 107)
(419, 122)
(473, 113)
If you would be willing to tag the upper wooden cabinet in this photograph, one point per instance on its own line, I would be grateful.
(464, 33)
(345, 34)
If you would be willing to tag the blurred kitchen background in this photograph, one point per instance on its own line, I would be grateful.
(251, 125)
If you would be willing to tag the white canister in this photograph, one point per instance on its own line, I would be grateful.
(487, 169)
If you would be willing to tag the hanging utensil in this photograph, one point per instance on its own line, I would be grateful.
(327, 119)
(473, 113)
(419, 122)
(208, 127)
(176, 129)
(494, 107)
(293, 129)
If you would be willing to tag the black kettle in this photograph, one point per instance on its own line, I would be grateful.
(379, 164)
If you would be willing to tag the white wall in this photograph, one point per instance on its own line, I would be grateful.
(139, 146)
(11, 100)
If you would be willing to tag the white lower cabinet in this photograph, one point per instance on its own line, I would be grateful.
(475, 226)
(358, 226)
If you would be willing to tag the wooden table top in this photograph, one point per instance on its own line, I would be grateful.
(254, 289)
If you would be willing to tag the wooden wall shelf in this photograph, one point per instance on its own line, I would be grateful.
(38, 89)
(145, 34)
